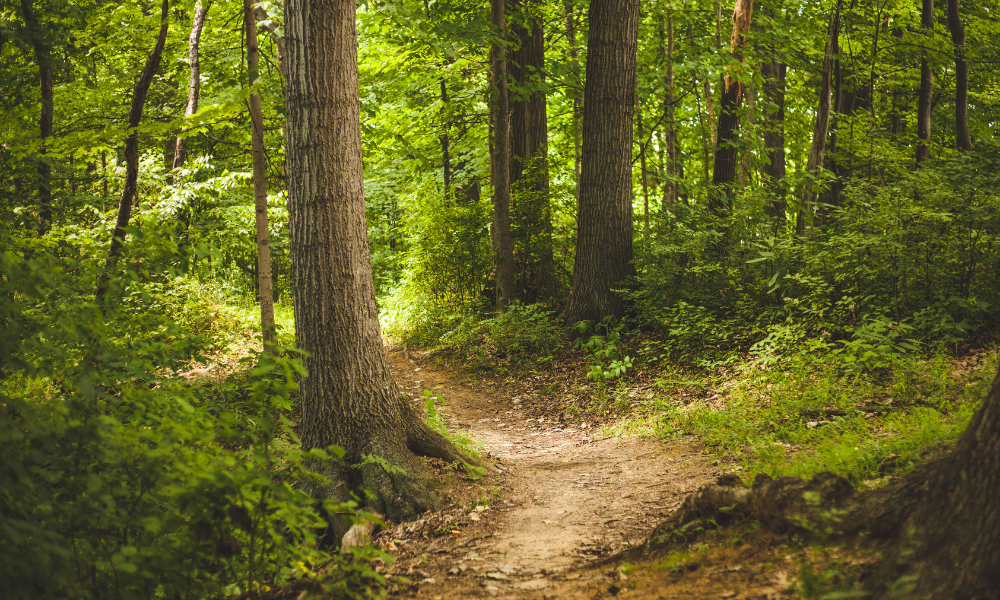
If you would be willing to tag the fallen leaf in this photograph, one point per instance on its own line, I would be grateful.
(480, 508)
(473, 517)
(456, 533)
(390, 546)
(727, 594)
(546, 521)
(496, 576)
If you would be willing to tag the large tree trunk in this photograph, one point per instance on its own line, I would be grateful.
(42, 57)
(926, 87)
(349, 397)
(194, 81)
(132, 158)
(604, 215)
(962, 139)
(500, 234)
(265, 290)
(773, 73)
(670, 126)
(821, 126)
(726, 150)
(943, 515)
(529, 172)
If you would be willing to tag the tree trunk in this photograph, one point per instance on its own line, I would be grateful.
(962, 139)
(271, 26)
(265, 290)
(726, 151)
(445, 155)
(773, 74)
(926, 87)
(349, 397)
(500, 234)
(604, 215)
(132, 158)
(42, 57)
(670, 126)
(577, 96)
(642, 170)
(821, 126)
(194, 82)
(529, 172)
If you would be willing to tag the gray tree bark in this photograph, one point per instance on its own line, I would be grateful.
(962, 138)
(926, 87)
(194, 81)
(132, 158)
(265, 289)
(604, 215)
(500, 234)
(349, 397)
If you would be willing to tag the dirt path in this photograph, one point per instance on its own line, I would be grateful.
(568, 497)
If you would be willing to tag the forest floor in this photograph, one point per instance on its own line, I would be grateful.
(562, 504)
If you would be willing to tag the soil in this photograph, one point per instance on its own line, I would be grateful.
(561, 504)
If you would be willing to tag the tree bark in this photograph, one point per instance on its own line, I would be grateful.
(349, 397)
(642, 169)
(670, 126)
(577, 96)
(265, 290)
(45, 87)
(500, 234)
(529, 172)
(962, 138)
(132, 158)
(926, 87)
(194, 81)
(726, 151)
(821, 125)
(773, 73)
(604, 215)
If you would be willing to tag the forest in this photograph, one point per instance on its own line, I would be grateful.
(505, 298)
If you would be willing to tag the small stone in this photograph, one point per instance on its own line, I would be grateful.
(427, 580)
(572, 576)
(453, 571)
(496, 576)
(728, 594)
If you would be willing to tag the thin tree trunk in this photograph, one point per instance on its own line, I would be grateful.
(271, 26)
(265, 290)
(726, 151)
(962, 138)
(926, 87)
(529, 172)
(821, 126)
(194, 81)
(349, 397)
(577, 96)
(642, 170)
(132, 158)
(604, 216)
(445, 156)
(42, 57)
(670, 127)
(773, 74)
(503, 248)
(706, 155)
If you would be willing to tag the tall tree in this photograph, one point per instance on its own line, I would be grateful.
(194, 80)
(670, 125)
(726, 149)
(604, 212)
(772, 71)
(349, 397)
(500, 234)
(529, 172)
(962, 138)
(926, 86)
(575, 88)
(821, 125)
(139, 93)
(265, 290)
(43, 58)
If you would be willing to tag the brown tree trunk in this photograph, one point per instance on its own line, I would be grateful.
(726, 151)
(132, 158)
(194, 81)
(642, 170)
(445, 143)
(604, 215)
(577, 94)
(265, 290)
(962, 138)
(42, 57)
(271, 26)
(926, 87)
(529, 172)
(821, 126)
(670, 126)
(773, 73)
(349, 397)
(500, 234)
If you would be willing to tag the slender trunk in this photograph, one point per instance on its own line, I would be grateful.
(642, 170)
(272, 26)
(710, 111)
(577, 95)
(670, 127)
(773, 73)
(604, 215)
(42, 57)
(529, 172)
(962, 138)
(706, 155)
(726, 151)
(503, 249)
(926, 87)
(132, 158)
(445, 157)
(349, 397)
(265, 291)
(194, 81)
(821, 125)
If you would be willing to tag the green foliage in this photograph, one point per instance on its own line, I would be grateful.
(510, 340)
(462, 440)
(604, 343)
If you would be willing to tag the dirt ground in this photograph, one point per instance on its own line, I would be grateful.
(550, 520)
